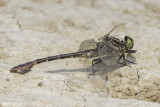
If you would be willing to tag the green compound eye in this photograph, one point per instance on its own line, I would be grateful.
(129, 42)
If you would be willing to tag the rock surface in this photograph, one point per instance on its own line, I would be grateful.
(34, 29)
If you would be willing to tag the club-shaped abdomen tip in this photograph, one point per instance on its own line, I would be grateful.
(18, 70)
(23, 68)
(13, 70)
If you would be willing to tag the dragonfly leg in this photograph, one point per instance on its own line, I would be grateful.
(120, 59)
(130, 61)
(124, 60)
(127, 60)
(94, 62)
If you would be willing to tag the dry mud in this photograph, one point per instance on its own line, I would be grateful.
(32, 29)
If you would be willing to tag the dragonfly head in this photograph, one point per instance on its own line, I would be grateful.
(129, 44)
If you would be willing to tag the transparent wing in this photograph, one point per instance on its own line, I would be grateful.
(89, 44)
(86, 45)
(107, 59)
(105, 36)
(108, 54)
(105, 52)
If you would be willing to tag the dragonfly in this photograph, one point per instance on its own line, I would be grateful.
(106, 49)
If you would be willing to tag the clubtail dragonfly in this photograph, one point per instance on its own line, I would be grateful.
(107, 48)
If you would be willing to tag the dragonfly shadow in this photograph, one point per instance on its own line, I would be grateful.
(69, 70)
(97, 70)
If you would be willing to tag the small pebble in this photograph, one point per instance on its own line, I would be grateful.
(7, 79)
(40, 84)
(106, 78)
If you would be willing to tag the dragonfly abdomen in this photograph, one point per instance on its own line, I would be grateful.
(63, 56)
(24, 68)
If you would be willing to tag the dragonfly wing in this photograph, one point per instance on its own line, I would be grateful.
(108, 54)
(105, 36)
(89, 44)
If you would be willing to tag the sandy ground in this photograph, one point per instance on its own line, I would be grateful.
(32, 29)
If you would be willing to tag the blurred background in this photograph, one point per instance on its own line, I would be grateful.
(32, 29)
